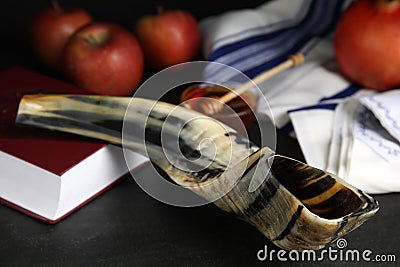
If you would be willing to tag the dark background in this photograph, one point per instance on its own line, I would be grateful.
(16, 16)
(126, 227)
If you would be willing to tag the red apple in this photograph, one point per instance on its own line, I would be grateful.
(367, 43)
(51, 29)
(104, 58)
(168, 38)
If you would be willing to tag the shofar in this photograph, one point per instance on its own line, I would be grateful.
(296, 206)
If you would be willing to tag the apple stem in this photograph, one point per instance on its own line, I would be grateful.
(160, 9)
(56, 6)
(92, 40)
(97, 39)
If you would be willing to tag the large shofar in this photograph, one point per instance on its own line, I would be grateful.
(296, 206)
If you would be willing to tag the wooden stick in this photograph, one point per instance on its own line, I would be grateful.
(292, 61)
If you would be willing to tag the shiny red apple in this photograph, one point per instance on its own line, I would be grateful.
(104, 58)
(168, 38)
(50, 30)
(367, 43)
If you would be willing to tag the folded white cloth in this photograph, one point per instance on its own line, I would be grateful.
(376, 142)
(255, 40)
(343, 128)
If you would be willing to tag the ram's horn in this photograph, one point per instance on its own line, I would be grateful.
(296, 206)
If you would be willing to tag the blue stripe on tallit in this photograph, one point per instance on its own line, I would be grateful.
(329, 106)
(248, 54)
(349, 91)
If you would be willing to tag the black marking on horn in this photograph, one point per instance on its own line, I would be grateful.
(240, 139)
(60, 122)
(95, 118)
(156, 116)
(371, 204)
(291, 224)
(251, 167)
(97, 101)
(172, 120)
(286, 169)
(265, 194)
(342, 203)
(316, 188)
(73, 114)
(153, 135)
(188, 151)
(343, 223)
(262, 200)
(114, 125)
(207, 173)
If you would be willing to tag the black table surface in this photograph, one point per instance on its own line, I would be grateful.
(125, 226)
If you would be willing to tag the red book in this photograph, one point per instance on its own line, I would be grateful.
(46, 174)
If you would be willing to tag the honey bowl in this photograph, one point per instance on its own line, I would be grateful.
(237, 113)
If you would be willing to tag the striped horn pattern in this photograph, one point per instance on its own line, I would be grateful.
(296, 206)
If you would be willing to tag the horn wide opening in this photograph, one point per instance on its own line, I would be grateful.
(319, 191)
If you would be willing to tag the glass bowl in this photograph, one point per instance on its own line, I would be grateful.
(237, 113)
